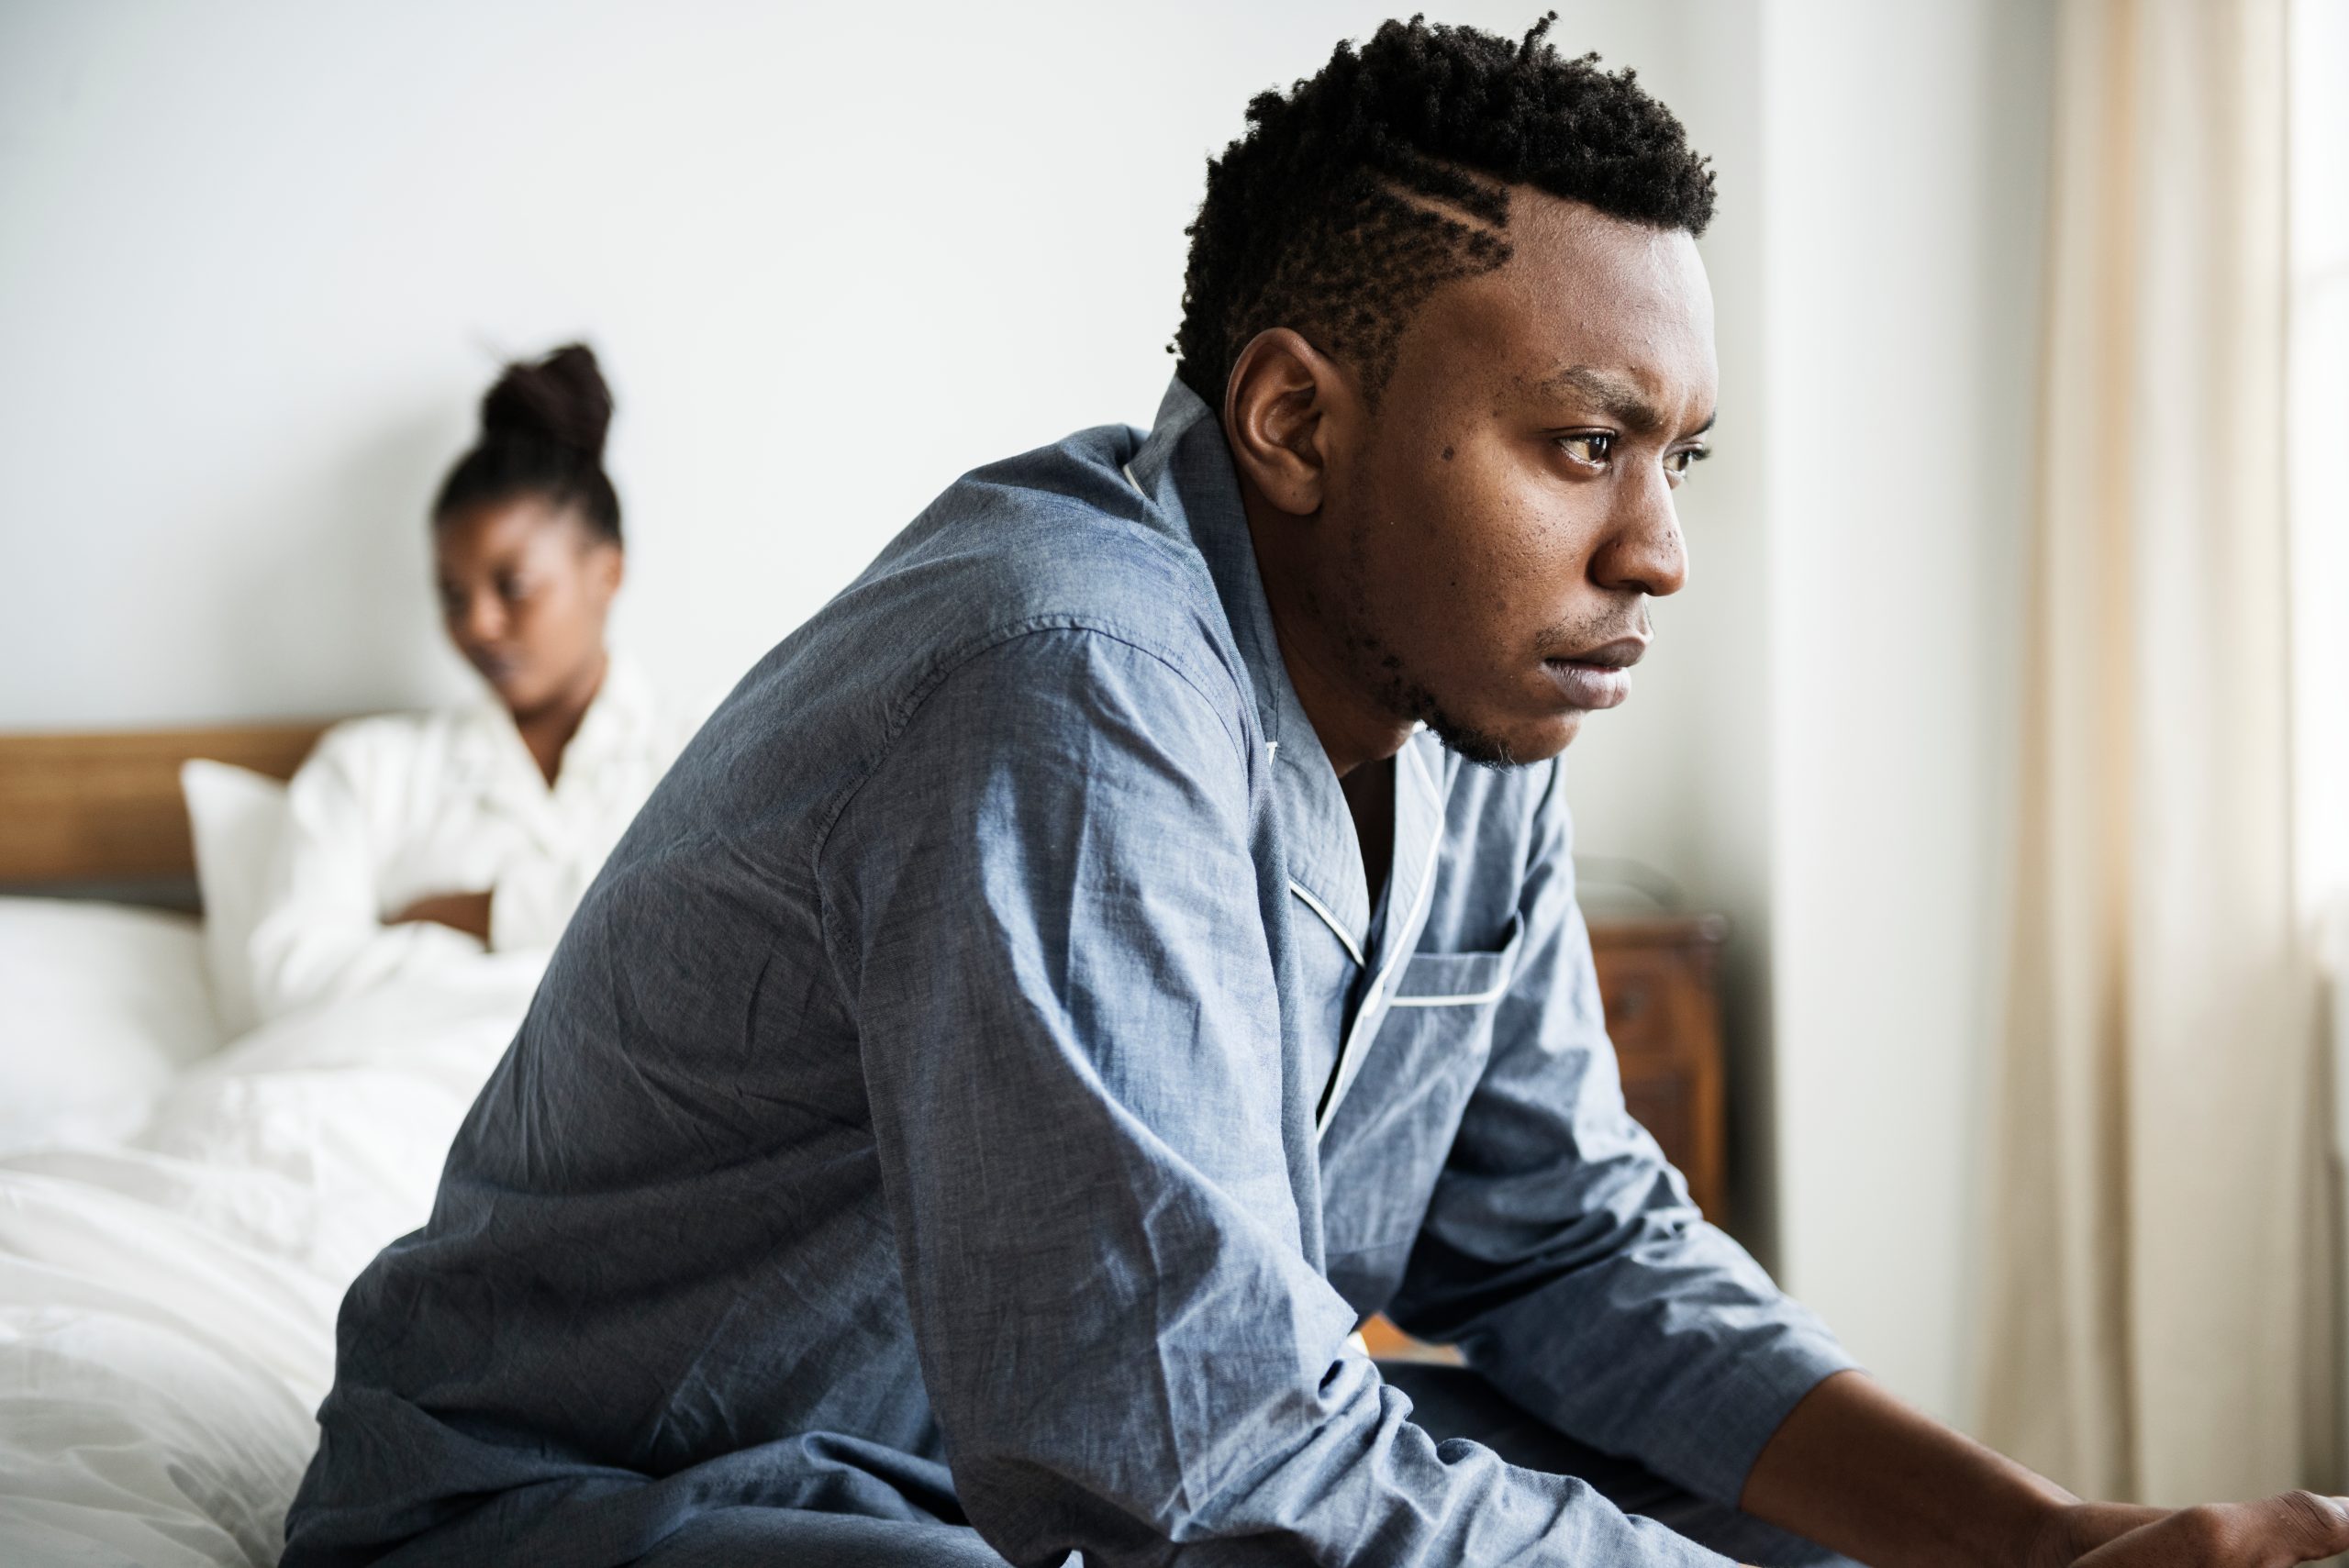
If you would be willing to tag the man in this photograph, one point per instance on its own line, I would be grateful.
(1129, 937)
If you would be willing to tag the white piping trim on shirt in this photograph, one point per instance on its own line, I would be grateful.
(1327, 919)
(1402, 939)
(1128, 470)
(1477, 1000)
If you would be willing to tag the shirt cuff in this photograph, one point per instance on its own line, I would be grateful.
(1738, 1415)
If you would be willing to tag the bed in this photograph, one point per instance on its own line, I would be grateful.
(184, 1196)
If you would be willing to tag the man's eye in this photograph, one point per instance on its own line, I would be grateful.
(1589, 445)
(512, 589)
(1677, 465)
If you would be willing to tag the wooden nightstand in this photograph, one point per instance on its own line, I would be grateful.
(1656, 978)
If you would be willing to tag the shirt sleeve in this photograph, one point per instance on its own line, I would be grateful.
(323, 936)
(1043, 906)
(1562, 1254)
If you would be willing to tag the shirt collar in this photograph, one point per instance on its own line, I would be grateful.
(1185, 466)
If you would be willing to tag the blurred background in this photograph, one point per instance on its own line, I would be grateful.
(257, 260)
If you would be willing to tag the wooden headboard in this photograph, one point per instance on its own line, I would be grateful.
(104, 808)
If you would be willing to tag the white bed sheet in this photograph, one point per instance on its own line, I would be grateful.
(167, 1303)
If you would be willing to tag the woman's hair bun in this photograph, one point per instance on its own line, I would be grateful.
(542, 434)
(560, 398)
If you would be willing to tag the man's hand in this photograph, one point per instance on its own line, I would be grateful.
(1854, 1469)
(2296, 1526)
(466, 912)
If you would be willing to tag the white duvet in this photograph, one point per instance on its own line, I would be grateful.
(167, 1303)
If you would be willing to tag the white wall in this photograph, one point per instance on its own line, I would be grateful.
(1904, 148)
(257, 262)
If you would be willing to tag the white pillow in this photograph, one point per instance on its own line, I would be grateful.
(238, 818)
(100, 1005)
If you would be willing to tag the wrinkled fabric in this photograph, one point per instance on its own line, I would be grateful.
(1454, 1402)
(167, 1302)
(978, 1091)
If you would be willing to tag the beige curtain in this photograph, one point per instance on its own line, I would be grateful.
(2154, 1327)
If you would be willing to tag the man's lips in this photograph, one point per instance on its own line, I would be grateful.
(1597, 677)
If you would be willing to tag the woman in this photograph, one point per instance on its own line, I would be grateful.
(420, 839)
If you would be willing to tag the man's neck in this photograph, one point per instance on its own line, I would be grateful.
(1352, 729)
(1358, 737)
(1370, 800)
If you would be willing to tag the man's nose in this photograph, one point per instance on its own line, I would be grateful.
(1644, 553)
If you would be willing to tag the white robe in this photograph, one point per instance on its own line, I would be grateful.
(391, 809)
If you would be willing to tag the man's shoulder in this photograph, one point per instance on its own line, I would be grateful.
(1058, 538)
(1063, 531)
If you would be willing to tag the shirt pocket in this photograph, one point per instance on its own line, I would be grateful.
(1387, 1142)
(1452, 981)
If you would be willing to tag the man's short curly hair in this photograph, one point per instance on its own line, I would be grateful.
(1356, 196)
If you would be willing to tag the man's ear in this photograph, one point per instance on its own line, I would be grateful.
(1282, 409)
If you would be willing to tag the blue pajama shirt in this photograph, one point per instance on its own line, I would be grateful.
(980, 1091)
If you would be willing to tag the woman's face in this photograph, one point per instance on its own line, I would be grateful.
(525, 588)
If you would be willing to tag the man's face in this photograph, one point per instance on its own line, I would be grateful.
(1492, 534)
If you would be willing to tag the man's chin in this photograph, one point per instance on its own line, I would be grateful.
(1517, 746)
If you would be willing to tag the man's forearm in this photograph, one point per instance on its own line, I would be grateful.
(1854, 1469)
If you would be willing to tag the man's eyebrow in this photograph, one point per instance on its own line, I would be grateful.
(1614, 394)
